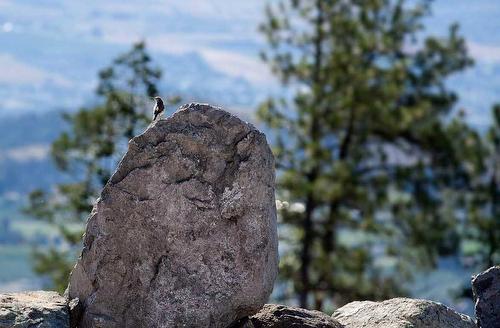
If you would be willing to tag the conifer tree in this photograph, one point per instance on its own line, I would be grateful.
(362, 144)
(480, 199)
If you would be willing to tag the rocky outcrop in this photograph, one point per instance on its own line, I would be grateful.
(184, 233)
(401, 313)
(281, 316)
(49, 310)
(486, 290)
(38, 309)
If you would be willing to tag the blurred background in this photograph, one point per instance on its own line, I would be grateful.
(382, 115)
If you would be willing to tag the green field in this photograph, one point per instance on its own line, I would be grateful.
(15, 262)
(16, 258)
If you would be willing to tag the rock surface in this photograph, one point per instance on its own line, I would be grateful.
(33, 309)
(280, 316)
(486, 289)
(401, 313)
(184, 233)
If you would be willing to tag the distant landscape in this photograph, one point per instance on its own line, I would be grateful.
(201, 64)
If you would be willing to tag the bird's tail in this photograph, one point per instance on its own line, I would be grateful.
(155, 116)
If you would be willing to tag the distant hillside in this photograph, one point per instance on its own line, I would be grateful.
(24, 152)
(28, 129)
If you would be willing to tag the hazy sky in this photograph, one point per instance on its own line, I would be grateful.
(50, 50)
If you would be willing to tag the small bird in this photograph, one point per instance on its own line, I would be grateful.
(159, 108)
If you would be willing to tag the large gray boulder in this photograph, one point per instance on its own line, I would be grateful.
(184, 233)
(34, 310)
(486, 290)
(281, 316)
(401, 313)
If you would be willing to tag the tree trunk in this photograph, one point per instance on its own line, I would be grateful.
(305, 255)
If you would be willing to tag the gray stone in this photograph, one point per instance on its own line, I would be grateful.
(184, 233)
(281, 316)
(401, 313)
(34, 310)
(486, 290)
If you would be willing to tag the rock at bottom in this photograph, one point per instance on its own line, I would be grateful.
(38, 309)
(486, 289)
(280, 316)
(401, 313)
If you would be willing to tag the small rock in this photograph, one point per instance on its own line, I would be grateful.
(281, 316)
(184, 233)
(486, 289)
(401, 313)
(37, 309)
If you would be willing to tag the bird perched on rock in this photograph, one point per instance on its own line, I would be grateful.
(159, 108)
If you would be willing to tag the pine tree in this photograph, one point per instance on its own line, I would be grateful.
(480, 199)
(362, 144)
(96, 138)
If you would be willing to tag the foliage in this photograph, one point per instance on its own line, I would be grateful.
(480, 199)
(96, 139)
(365, 144)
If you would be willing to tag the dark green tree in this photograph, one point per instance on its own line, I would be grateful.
(481, 197)
(95, 140)
(364, 150)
